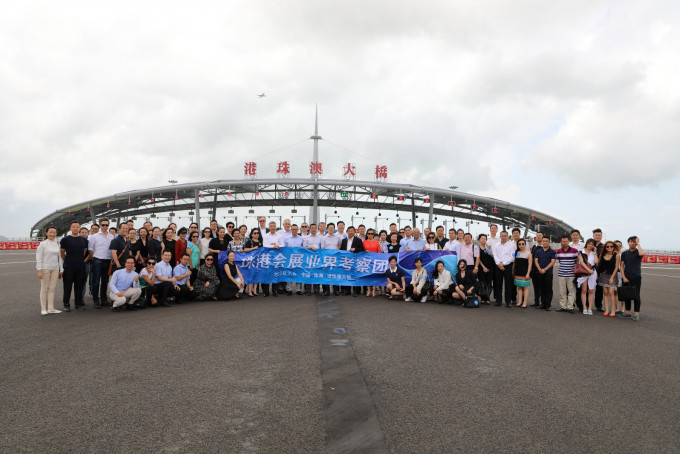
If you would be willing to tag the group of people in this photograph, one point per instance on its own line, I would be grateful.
(134, 268)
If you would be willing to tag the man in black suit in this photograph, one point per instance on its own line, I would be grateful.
(352, 244)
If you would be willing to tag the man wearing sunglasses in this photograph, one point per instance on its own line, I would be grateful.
(100, 255)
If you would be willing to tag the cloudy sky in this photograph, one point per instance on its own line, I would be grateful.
(570, 108)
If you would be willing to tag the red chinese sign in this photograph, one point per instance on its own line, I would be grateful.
(315, 168)
(250, 169)
(380, 172)
(349, 171)
(283, 169)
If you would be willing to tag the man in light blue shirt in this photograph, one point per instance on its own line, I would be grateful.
(165, 282)
(294, 240)
(124, 286)
(407, 237)
(415, 243)
(181, 273)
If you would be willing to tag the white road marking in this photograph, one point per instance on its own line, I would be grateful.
(14, 263)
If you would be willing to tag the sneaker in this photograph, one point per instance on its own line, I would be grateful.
(626, 315)
(43, 312)
(635, 317)
(66, 309)
(53, 311)
(423, 299)
(585, 312)
(590, 312)
(572, 311)
(409, 299)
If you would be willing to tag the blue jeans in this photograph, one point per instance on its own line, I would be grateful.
(100, 280)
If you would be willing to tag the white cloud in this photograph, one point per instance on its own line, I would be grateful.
(486, 96)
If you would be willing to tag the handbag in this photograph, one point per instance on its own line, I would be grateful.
(110, 272)
(627, 293)
(471, 302)
(483, 289)
(580, 270)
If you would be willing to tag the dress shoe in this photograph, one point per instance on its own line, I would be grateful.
(165, 304)
(80, 308)
(289, 293)
(97, 305)
(572, 311)
(298, 292)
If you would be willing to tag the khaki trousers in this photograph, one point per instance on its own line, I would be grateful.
(48, 284)
(129, 296)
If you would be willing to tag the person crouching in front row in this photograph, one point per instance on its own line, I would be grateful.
(124, 286)
(181, 273)
(165, 283)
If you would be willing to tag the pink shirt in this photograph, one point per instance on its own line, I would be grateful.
(468, 252)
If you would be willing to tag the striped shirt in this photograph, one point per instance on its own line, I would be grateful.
(567, 260)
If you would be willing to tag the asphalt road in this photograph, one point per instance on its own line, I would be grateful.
(258, 375)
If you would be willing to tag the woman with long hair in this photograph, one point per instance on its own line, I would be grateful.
(442, 282)
(232, 280)
(194, 251)
(207, 281)
(430, 245)
(371, 245)
(588, 259)
(204, 244)
(465, 282)
(168, 243)
(253, 243)
(521, 270)
(608, 276)
(142, 254)
(484, 268)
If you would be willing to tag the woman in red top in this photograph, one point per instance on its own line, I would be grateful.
(371, 245)
(180, 245)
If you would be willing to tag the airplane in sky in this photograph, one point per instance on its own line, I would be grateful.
(262, 95)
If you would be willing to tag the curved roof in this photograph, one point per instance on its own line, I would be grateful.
(378, 195)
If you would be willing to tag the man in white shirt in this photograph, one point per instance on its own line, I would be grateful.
(100, 255)
(312, 242)
(452, 244)
(504, 257)
(516, 233)
(331, 241)
(577, 244)
(304, 230)
(341, 230)
(493, 238)
(294, 240)
(262, 225)
(272, 238)
(286, 232)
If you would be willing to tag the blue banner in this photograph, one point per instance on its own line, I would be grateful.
(328, 266)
